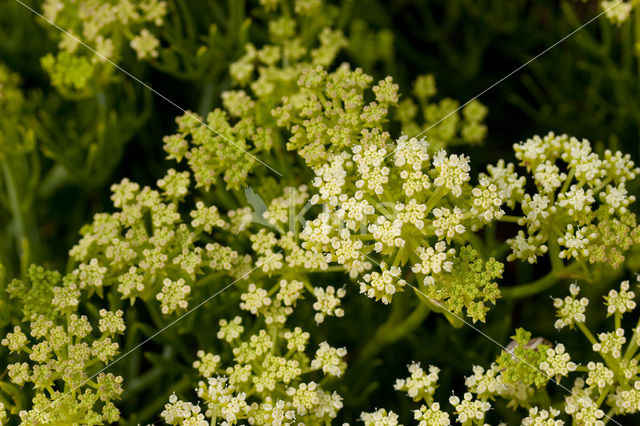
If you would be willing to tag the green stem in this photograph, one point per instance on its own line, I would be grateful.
(440, 192)
(510, 218)
(568, 180)
(391, 332)
(554, 252)
(206, 100)
(609, 361)
(587, 333)
(633, 346)
(539, 285)
(603, 395)
(207, 279)
(21, 238)
(609, 415)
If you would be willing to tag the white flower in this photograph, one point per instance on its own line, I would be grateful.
(414, 182)
(382, 285)
(599, 375)
(431, 416)
(330, 178)
(380, 418)
(452, 171)
(576, 241)
(626, 400)
(290, 291)
(420, 384)
(413, 212)
(145, 44)
(509, 184)
(182, 412)
(304, 397)
(469, 409)
(620, 302)
(355, 212)
(447, 223)
(548, 177)
(536, 210)
(328, 302)
(570, 310)
(582, 407)
(558, 362)
(255, 299)
(230, 330)
(434, 260)
(369, 161)
(486, 201)
(91, 274)
(173, 295)
(330, 360)
(576, 200)
(485, 383)
(617, 11)
(538, 417)
(617, 198)
(207, 364)
(611, 343)
(526, 248)
(386, 233)
(411, 152)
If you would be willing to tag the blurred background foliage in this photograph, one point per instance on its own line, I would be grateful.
(67, 150)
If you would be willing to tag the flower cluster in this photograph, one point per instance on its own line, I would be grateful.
(617, 12)
(230, 140)
(390, 214)
(13, 137)
(379, 208)
(59, 353)
(394, 204)
(286, 84)
(519, 363)
(106, 26)
(570, 310)
(164, 262)
(271, 378)
(581, 205)
(440, 122)
(372, 201)
(419, 385)
(161, 261)
(610, 387)
(11, 97)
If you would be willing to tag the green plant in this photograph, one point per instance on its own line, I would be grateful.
(309, 221)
